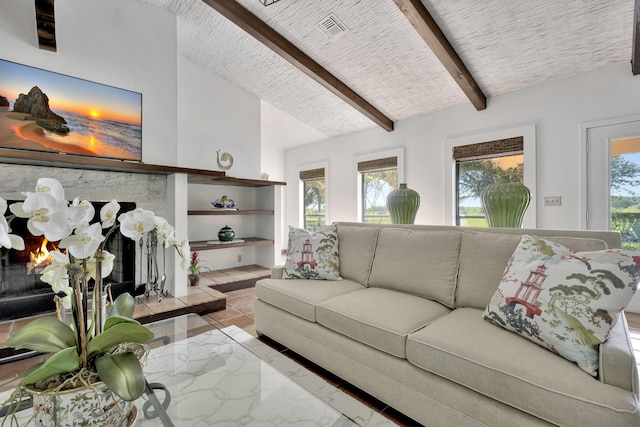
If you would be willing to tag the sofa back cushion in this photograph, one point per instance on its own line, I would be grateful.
(484, 257)
(357, 246)
(418, 262)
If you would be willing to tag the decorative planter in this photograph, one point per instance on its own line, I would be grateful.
(403, 204)
(505, 203)
(194, 279)
(79, 407)
(94, 406)
(65, 314)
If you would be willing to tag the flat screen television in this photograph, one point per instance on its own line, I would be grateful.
(46, 111)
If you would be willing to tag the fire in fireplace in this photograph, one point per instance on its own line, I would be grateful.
(22, 293)
(41, 257)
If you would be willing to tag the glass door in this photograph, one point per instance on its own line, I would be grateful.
(613, 181)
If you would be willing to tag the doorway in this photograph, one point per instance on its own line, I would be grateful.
(613, 180)
(613, 183)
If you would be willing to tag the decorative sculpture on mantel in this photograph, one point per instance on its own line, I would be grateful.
(225, 161)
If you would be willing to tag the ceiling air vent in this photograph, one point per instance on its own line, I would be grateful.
(332, 27)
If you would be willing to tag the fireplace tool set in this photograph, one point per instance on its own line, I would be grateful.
(154, 283)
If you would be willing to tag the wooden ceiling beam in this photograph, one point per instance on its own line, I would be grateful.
(635, 52)
(46, 24)
(428, 29)
(273, 40)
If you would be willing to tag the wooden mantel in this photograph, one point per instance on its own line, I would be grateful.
(195, 176)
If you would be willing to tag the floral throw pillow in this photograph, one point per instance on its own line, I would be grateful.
(563, 300)
(312, 255)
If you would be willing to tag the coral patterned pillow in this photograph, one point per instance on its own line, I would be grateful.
(312, 255)
(563, 300)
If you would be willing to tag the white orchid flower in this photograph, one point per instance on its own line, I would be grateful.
(135, 223)
(66, 300)
(182, 248)
(89, 210)
(164, 229)
(56, 274)
(50, 186)
(170, 239)
(84, 242)
(109, 213)
(7, 240)
(57, 223)
(107, 265)
(48, 214)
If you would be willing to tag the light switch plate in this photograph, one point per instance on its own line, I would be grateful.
(553, 201)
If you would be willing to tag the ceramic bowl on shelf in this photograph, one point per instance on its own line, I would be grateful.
(224, 202)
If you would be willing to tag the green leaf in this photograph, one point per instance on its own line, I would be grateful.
(122, 373)
(114, 320)
(29, 370)
(64, 361)
(123, 306)
(46, 334)
(116, 334)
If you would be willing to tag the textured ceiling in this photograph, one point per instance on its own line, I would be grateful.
(507, 45)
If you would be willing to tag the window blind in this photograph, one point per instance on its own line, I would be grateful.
(378, 164)
(312, 174)
(489, 149)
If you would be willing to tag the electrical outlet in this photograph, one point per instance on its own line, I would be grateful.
(240, 258)
(553, 201)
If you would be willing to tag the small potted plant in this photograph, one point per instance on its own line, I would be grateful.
(195, 268)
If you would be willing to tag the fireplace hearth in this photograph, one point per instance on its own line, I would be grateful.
(23, 294)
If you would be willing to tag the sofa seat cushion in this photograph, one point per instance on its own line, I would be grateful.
(464, 348)
(300, 296)
(381, 318)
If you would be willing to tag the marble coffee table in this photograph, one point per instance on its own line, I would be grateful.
(227, 377)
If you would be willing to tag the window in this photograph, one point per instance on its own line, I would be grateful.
(378, 177)
(478, 165)
(313, 191)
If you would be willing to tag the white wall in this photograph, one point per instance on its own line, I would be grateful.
(280, 131)
(215, 115)
(187, 112)
(121, 43)
(556, 109)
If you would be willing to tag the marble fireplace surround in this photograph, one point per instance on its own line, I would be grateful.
(162, 193)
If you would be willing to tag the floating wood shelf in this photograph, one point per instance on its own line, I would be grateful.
(231, 212)
(70, 161)
(248, 241)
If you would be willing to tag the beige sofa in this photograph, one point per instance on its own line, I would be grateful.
(405, 325)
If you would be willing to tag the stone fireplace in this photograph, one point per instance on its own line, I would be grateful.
(21, 292)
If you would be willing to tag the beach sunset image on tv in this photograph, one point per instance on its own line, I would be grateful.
(46, 111)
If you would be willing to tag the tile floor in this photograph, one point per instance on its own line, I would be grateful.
(239, 311)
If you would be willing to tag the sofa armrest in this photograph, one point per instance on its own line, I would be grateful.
(617, 361)
(276, 271)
